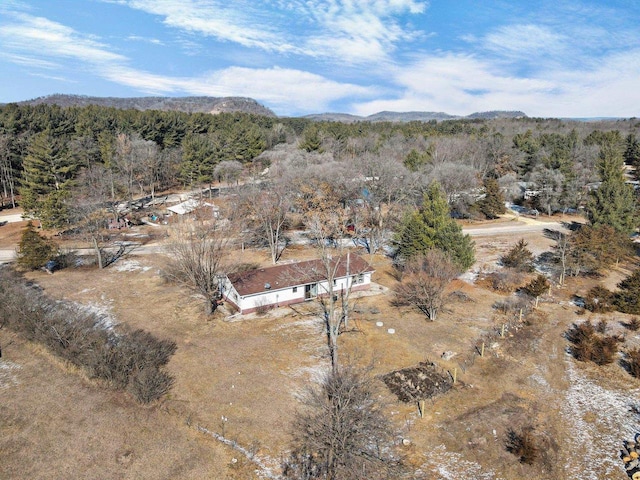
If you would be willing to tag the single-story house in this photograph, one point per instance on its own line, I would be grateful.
(191, 205)
(292, 283)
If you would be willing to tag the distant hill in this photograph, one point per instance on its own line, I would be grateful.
(181, 104)
(410, 116)
(248, 105)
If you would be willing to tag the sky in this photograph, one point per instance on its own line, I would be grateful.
(559, 58)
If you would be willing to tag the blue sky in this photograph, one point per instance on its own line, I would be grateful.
(560, 58)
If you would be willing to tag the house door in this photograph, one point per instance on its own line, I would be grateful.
(310, 291)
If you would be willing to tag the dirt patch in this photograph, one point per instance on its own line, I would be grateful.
(421, 382)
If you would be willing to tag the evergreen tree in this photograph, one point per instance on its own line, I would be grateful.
(519, 257)
(632, 151)
(48, 169)
(34, 251)
(613, 203)
(492, 204)
(431, 226)
(628, 297)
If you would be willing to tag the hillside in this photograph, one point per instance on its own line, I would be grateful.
(181, 104)
(411, 116)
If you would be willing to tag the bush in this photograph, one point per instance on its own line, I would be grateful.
(628, 297)
(507, 280)
(512, 305)
(519, 257)
(523, 445)
(588, 346)
(599, 300)
(633, 324)
(631, 362)
(118, 357)
(149, 384)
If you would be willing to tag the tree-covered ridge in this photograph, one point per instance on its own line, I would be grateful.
(55, 157)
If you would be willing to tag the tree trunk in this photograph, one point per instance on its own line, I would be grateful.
(98, 253)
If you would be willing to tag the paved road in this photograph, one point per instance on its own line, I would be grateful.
(515, 228)
(502, 229)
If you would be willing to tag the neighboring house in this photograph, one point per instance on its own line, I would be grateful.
(191, 205)
(294, 283)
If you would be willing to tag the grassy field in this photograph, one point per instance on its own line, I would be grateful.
(240, 377)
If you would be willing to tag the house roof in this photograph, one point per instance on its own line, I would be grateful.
(278, 277)
(184, 207)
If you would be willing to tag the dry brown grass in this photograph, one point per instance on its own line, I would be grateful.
(249, 369)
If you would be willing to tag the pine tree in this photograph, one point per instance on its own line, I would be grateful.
(614, 202)
(431, 226)
(34, 251)
(492, 204)
(632, 151)
(519, 257)
(628, 297)
(48, 169)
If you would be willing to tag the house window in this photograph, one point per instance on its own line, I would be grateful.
(295, 289)
(358, 278)
(334, 282)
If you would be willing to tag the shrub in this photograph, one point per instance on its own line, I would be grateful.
(118, 357)
(538, 286)
(599, 300)
(512, 305)
(519, 257)
(149, 384)
(523, 445)
(507, 280)
(587, 345)
(631, 362)
(633, 324)
(628, 297)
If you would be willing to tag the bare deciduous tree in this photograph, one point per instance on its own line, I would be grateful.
(425, 278)
(268, 212)
(197, 254)
(343, 433)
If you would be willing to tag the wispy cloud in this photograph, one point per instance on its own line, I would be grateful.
(40, 36)
(462, 84)
(277, 86)
(343, 30)
(138, 38)
(524, 41)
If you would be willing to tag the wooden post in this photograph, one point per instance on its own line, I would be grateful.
(520, 318)
(482, 350)
(421, 408)
(455, 375)
(502, 331)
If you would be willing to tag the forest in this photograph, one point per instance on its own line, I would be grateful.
(399, 192)
(61, 163)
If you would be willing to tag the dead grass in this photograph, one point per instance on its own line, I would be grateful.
(240, 377)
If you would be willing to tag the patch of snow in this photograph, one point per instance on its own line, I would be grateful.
(8, 376)
(452, 466)
(599, 436)
(101, 311)
(130, 266)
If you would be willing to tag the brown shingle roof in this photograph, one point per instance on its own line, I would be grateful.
(294, 274)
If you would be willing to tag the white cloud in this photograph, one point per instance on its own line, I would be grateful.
(40, 36)
(346, 31)
(526, 41)
(289, 91)
(459, 84)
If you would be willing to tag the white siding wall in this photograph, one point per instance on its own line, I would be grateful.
(287, 295)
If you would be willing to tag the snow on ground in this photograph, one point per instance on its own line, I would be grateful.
(101, 311)
(129, 266)
(452, 466)
(8, 374)
(600, 420)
